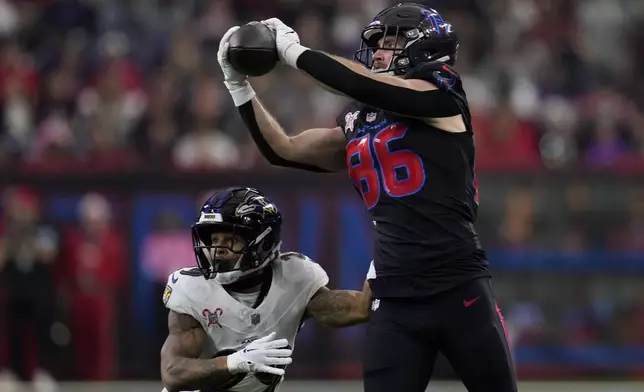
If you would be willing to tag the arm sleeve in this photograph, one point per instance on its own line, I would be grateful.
(400, 100)
(248, 115)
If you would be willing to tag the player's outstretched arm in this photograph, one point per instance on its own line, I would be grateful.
(340, 308)
(180, 368)
(317, 150)
(408, 97)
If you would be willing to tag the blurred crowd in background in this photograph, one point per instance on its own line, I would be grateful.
(116, 83)
(556, 90)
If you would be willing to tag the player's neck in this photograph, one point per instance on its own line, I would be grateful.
(250, 284)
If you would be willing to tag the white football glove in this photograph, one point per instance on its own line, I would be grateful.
(236, 82)
(287, 41)
(260, 356)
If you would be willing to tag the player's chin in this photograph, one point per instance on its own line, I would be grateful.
(379, 69)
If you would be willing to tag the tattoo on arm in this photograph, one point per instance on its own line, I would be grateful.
(338, 308)
(180, 367)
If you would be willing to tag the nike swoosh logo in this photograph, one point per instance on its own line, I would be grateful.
(290, 32)
(247, 350)
(174, 279)
(471, 302)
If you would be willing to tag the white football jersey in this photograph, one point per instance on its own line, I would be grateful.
(230, 325)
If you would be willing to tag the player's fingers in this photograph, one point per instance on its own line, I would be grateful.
(267, 338)
(227, 34)
(278, 352)
(270, 370)
(222, 55)
(278, 361)
(275, 21)
(268, 23)
(279, 343)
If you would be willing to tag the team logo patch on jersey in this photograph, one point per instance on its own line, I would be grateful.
(445, 82)
(212, 317)
(255, 319)
(350, 120)
(166, 294)
(371, 117)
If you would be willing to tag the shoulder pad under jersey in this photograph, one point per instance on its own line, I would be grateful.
(300, 268)
(183, 289)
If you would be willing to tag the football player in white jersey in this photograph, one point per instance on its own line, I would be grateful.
(234, 318)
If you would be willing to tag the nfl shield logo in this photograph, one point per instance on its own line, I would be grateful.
(254, 319)
(371, 117)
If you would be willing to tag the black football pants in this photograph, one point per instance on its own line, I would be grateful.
(464, 324)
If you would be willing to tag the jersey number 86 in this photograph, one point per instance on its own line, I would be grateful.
(401, 173)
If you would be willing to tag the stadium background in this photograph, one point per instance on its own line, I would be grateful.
(114, 123)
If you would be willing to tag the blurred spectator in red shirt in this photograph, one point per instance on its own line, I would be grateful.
(94, 275)
(505, 140)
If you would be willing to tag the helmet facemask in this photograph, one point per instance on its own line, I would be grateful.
(227, 252)
(427, 38)
(392, 39)
(238, 232)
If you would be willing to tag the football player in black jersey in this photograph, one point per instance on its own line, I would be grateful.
(408, 145)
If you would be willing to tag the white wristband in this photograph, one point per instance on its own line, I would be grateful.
(235, 364)
(241, 94)
(292, 53)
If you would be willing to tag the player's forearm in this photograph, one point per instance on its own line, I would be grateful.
(270, 138)
(183, 374)
(270, 133)
(339, 308)
(379, 90)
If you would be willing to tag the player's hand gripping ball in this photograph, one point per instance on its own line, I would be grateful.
(252, 50)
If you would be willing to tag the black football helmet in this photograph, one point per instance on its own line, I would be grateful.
(245, 213)
(427, 37)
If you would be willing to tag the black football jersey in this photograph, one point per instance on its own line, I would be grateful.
(419, 184)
